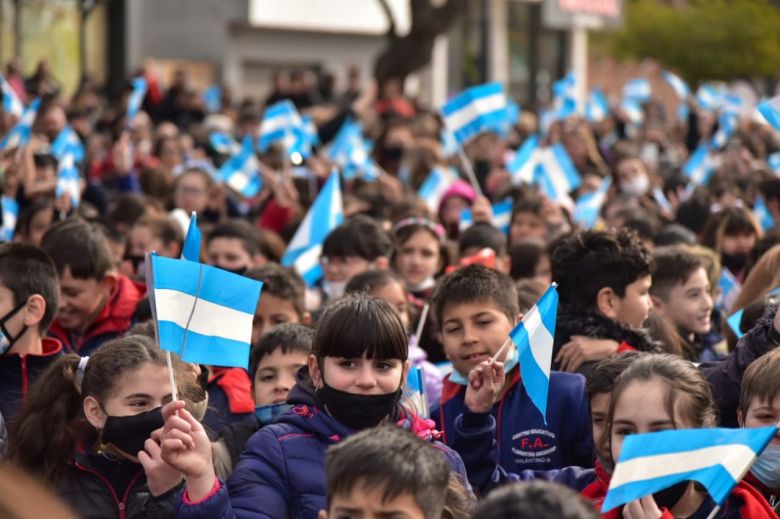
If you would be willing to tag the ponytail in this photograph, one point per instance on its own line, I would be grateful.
(43, 437)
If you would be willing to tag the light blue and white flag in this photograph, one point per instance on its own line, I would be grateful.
(773, 161)
(68, 142)
(555, 172)
(10, 215)
(68, 180)
(734, 321)
(501, 218)
(191, 249)
(435, 185)
(729, 289)
(414, 394)
(352, 152)
(20, 134)
(762, 214)
(449, 146)
(203, 314)
(682, 90)
(597, 107)
(565, 97)
(708, 97)
(280, 122)
(212, 99)
(326, 213)
(588, 206)
(633, 111)
(770, 109)
(638, 90)
(224, 143)
(523, 165)
(699, 167)
(11, 102)
(727, 125)
(241, 172)
(716, 458)
(533, 337)
(661, 200)
(476, 109)
(136, 98)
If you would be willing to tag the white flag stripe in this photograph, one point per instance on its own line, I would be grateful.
(732, 457)
(208, 318)
(539, 338)
(308, 260)
(478, 107)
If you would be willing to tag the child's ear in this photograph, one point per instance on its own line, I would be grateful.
(607, 303)
(34, 311)
(94, 413)
(314, 371)
(306, 318)
(109, 282)
(382, 263)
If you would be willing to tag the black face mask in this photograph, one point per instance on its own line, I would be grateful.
(358, 412)
(135, 260)
(240, 270)
(392, 153)
(734, 262)
(128, 433)
(668, 497)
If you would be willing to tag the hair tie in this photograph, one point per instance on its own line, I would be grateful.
(435, 228)
(80, 370)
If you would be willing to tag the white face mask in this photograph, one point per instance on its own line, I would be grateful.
(766, 468)
(334, 289)
(637, 186)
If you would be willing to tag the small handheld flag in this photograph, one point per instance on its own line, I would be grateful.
(638, 90)
(729, 290)
(241, 171)
(500, 219)
(597, 107)
(68, 180)
(224, 143)
(588, 206)
(716, 458)
(280, 122)
(435, 185)
(68, 142)
(523, 165)
(203, 314)
(11, 102)
(762, 214)
(136, 98)
(20, 134)
(476, 109)
(699, 167)
(734, 321)
(212, 99)
(565, 97)
(191, 249)
(770, 109)
(10, 215)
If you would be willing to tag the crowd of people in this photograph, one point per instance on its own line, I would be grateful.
(317, 426)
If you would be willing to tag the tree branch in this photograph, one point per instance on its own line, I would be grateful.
(390, 18)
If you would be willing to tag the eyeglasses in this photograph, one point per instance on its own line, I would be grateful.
(341, 261)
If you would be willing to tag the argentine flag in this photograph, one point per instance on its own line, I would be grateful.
(224, 143)
(11, 102)
(716, 458)
(734, 321)
(729, 289)
(597, 107)
(633, 111)
(475, 110)
(523, 165)
(449, 146)
(68, 142)
(588, 206)
(191, 249)
(203, 314)
(136, 98)
(699, 167)
(68, 180)
(435, 185)
(325, 214)
(762, 214)
(533, 337)
(556, 173)
(501, 218)
(770, 109)
(708, 97)
(20, 134)
(280, 122)
(10, 215)
(565, 97)
(241, 171)
(638, 90)
(212, 99)
(414, 393)
(678, 85)
(727, 125)
(773, 161)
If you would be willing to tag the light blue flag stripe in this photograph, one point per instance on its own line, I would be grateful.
(597, 107)
(773, 161)
(476, 109)
(770, 109)
(698, 167)
(521, 167)
(468, 96)
(217, 286)
(20, 134)
(136, 98)
(11, 102)
(191, 249)
(204, 349)
(280, 122)
(10, 215)
(762, 214)
(240, 171)
(734, 321)
(638, 90)
(67, 141)
(212, 98)
(567, 166)
(482, 123)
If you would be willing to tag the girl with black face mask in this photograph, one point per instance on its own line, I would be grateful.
(353, 381)
(89, 430)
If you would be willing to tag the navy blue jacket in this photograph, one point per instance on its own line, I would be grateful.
(523, 440)
(18, 372)
(281, 474)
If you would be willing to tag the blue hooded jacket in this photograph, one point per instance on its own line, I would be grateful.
(281, 474)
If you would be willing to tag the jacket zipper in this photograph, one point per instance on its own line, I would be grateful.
(121, 505)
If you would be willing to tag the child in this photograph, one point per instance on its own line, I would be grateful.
(34, 221)
(733, 232)
(759, 406)
(161, 234)
(236, 246)
(459, 196)
(273, 363)
(476, 308)
(604, 284)
(99, 414)
(535, 499)
(420, 254)
(481, 236)
(282, 301)
(528, 220)
(353, 381)
(681, 293)
(661, 392)
(385, 472)
(529, 260)
(29, 295)
(96, 303)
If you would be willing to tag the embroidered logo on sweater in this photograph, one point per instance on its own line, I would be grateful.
(533, 446)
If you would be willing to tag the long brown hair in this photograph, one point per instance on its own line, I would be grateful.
(43, 438)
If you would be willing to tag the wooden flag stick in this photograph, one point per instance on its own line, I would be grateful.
(421, 323)
(469, 171)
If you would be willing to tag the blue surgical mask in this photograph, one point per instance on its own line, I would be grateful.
(266, 414)
(766, 468)
(510, 363)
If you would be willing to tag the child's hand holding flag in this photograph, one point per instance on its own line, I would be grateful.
(485, 384)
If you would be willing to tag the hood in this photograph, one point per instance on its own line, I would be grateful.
(459, 188)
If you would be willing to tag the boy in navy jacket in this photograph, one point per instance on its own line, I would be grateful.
(476, 308)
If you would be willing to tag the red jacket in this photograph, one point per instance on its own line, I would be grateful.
(114, 319)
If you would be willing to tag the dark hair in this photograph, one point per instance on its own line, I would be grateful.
(371, 280)
(528, 293)
(163, 227)
(26, 270)
(127, 209)
(290, 337)
(586, 261)
(359, 236)
(24, 222)
(731, 221)
(459, 503)
(240, 230)
(405, 232)
(694, 212)
(528, 203)
(476, 284)
(392, 461)
(80, 246)
(359, 324)
(524, 257)
(761, 380)
(482, 235)
(770, 189)
(672, 266)
(281, 282)
(682, 381)
(604, 374)
(535, 499)
(44, 435)
(675, 234)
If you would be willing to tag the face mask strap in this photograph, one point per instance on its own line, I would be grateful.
(15, 310)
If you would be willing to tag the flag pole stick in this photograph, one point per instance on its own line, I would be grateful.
(421, 323)
(168, 360)
(714, 512)
(469, 171)
(504, 347)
